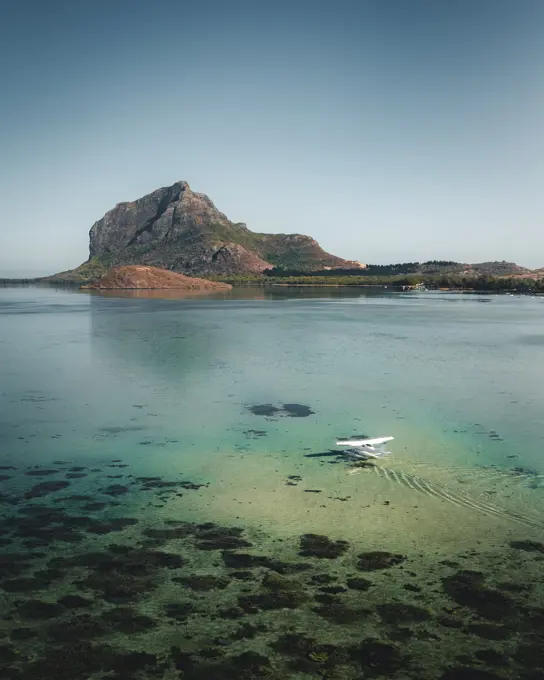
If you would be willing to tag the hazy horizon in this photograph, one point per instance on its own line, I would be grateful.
(387, 130)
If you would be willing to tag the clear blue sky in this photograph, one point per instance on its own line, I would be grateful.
(390, 130)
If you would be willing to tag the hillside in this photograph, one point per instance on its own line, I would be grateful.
(152, 278)
(177, 229)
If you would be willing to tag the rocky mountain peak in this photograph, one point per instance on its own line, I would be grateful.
(181, 230)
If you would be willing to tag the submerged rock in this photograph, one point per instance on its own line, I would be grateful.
(468, 589)
(38, 610)
(372, 561)
(379, 658)
(362, 584)
(277, 599)
(467, 673)
(45, 488)
(528, 546)
(202, 582)
(340, 613)
(398, 612)
(315, 545)
(298, 410)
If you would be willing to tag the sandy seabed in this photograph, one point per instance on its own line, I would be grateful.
(271, 568)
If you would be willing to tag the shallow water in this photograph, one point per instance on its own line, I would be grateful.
(241, 393)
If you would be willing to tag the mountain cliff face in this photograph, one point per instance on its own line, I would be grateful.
(178, 229)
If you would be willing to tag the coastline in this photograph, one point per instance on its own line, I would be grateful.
(395, 287)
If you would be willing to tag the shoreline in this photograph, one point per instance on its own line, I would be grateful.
(84, 287)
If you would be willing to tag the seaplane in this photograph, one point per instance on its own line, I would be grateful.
(364, 448)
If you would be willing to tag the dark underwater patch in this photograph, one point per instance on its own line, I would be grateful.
(264, 410)
(468, 589)
(398, 612)
(45, 488)
(202, 582)
(297, 410)
(528, 546)
(315, 545)
(41, 473)
(467, 673)
(39, 610)
(379, 658)
(376, 560)
(286, 410)
(115, 490)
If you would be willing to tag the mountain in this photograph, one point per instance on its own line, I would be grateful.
(178, 229)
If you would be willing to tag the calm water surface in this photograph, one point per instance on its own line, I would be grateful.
(165, 388)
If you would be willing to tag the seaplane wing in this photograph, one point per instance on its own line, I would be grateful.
(364, 442)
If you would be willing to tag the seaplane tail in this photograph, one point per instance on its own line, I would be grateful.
(364, 442)
(364, 448)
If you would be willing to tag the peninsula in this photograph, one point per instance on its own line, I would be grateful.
(139, 277)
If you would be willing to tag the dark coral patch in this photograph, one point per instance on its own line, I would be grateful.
(488, 631)
(94, 507)
(379, 658)
(362, 584)
(7, 654)
(202, 582)
(242, 575)
(235, 560)
(132, 662)
(13, 564)
(314, 545)
(74, 602)
(41, 473)
(277, 599)
(115, 524)
(264, 410)
(340, 613)
(24, 585)
(171, 533)
(323, 578)
(530, 655)
(45, 488)
(298, 410)
(468, 589)
(528, 546)
(38, 610)
(467, 673)
(74, 498)
(124, 576)
(74, 661)
(491, 657)
(115, 490)
(126, 620)
(22, 634)
(213, 537)
(78, 628)
(393, 612)
(179, 610)
(372, 561)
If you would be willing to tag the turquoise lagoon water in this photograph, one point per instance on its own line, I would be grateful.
(166, 388)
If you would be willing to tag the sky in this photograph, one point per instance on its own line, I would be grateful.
(389, 130)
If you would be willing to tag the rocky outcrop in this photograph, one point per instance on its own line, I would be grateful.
(178, 229)
(151, 278)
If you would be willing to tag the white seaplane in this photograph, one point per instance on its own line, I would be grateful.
(364, 448)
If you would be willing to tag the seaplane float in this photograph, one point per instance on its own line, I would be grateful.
(363, 449)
